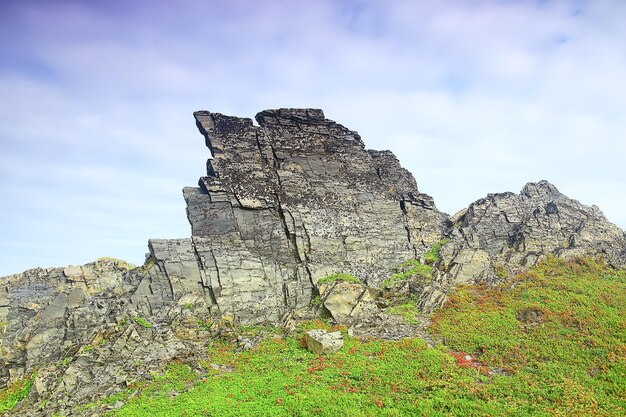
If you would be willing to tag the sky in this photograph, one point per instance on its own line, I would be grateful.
(97, 137)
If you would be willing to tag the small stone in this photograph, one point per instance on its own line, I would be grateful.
(321, 342)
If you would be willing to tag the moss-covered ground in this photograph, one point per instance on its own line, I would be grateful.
(15, 393)
(549, 342)
(567, 357)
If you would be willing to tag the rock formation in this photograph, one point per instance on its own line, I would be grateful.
(284, 204)
(503, 233)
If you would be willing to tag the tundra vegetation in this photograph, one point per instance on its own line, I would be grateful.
(549, 342)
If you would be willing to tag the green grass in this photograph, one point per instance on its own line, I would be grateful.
(281, 378)
(142, 322)
(407, 310)
(338, 277)
(432, 255)
(14, 393)
(572, 361)
(409, 269)
(569, 359)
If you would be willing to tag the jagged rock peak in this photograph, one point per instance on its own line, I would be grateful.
(503, 233)
(287, 117)
(541, 188)
(297, 197)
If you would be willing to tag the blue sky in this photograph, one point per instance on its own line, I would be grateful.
(97, 137)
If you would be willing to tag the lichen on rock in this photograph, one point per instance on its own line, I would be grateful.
(288, 202)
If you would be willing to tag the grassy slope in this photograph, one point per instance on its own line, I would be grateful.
(571, 360)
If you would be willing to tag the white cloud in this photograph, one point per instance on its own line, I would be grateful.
(97, 139)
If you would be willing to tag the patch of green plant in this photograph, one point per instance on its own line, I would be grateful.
(432, 255)
(142, 322)
(567, 359)
(88, 348)
(205, 324)
(324, 324)
(189, 306)
(14, 393)
(338, 278)
(409, 269)
(407, 310)
(617, 276)
(316, 301)
(279, 377)
(124, 321)
(501, 271)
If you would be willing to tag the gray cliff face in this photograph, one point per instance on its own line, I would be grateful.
(287, 203)
(283, 204)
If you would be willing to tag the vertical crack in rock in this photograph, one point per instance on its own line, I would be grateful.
(207, 288)
(291, 236)
(217, 273)
(405, 220)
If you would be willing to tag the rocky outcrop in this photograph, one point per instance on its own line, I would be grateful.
(321, 342)
(82, 328)
(347, 302)
(284, 204)
(502, 233)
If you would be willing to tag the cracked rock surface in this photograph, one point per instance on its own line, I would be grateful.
(501, 234)
(286, 203)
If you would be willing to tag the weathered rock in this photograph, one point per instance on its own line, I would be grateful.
(288, 202)
(74, 326)
(346, 301)
(504, 233)
(321, 342)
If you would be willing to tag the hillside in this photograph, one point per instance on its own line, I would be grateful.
(549, 342)
(294, 222)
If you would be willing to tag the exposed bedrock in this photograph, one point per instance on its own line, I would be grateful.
(288, 202)
(502, 233)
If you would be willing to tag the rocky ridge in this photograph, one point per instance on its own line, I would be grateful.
(283, 205)
(501, 234)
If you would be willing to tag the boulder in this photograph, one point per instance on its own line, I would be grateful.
(347, 301)
(321, 342)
